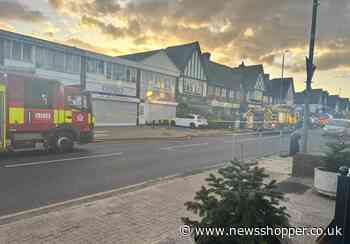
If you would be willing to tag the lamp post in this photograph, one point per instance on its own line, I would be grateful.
(282, 75)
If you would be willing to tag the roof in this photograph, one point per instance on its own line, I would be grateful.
(268, 85)
(179, 54)
(280, 87)
(182, 53)
(138, 57)
(250, 74)
(222, 75)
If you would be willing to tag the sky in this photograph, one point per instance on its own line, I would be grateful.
(256, 31)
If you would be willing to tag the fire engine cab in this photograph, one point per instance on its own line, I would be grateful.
(40, 112)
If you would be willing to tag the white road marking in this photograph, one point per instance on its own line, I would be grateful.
(101, 131)
(184, 146)
(63, 160)
(101, 135)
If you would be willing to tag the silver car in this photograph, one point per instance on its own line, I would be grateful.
(337, 127)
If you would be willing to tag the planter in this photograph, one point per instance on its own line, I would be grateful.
(325, 182)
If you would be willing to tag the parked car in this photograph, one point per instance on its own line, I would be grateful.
(191, 121)
(337, 127)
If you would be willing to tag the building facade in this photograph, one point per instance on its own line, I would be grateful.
(192, 83)
(115, 83)
(224, 89)
(157, 89)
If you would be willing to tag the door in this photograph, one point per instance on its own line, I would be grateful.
(2, 117)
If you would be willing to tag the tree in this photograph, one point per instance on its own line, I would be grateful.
(237, 197)
(183, 110)
(337, 155)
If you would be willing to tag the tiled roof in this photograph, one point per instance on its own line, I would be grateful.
(137, 57)
(182, 53)
(250, 74)
(281, 86)
(221, 75)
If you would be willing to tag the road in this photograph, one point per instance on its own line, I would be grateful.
(35, 179)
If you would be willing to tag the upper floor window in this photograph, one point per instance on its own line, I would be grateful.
(95, 66)
(16, 50)
(27, 52)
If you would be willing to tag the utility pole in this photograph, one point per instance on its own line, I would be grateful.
(310, 70)
(282, 77)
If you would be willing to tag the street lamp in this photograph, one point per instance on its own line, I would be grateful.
(282, 75)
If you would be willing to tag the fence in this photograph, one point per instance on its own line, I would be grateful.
(259, 144)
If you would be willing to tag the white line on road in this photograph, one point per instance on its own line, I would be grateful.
(63, 160)
(184, 146)
(101, 131)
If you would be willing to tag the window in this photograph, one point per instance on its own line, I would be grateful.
(91, 65)
(100, 67)
(119, 72)
(58, 61)
(40, 57)
(8, 49)
(223, 92)
(39, 94)
(109, 71)
(16, 50)
(131, 75)
(217, 91)
(232, 94)
(77, 101)
(27, 53)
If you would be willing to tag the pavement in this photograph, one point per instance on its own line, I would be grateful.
(152, 214)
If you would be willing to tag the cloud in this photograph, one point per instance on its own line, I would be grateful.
(93, 8)
(12, 10)
(57, 4)
(255, 29)
(107, 29)
(84, 45)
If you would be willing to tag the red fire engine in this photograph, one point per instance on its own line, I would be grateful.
(36, 111)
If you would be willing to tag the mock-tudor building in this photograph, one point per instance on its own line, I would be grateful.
(283, 91)
(253, 86)
(224, 89)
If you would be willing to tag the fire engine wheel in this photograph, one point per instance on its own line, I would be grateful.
(63, 142)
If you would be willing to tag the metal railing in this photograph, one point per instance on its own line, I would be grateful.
(260, 144)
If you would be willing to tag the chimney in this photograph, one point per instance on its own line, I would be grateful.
(206, 56)
(242, 65)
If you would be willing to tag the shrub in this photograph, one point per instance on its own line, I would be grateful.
(238, 197)
(337, 155)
